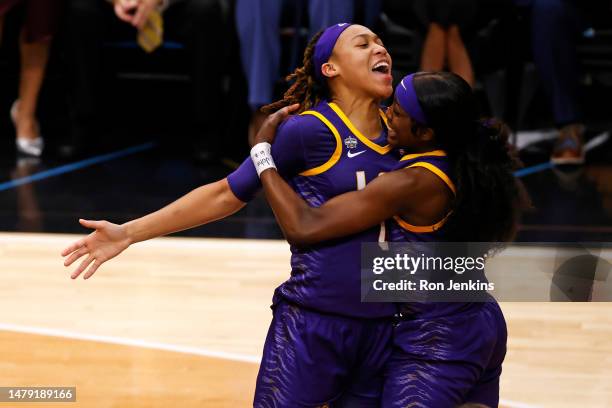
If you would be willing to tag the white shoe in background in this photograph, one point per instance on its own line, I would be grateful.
(26, 145)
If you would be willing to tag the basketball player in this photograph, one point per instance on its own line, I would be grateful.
(455, 184)
(324, 346)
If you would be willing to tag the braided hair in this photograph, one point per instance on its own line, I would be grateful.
(306, 89)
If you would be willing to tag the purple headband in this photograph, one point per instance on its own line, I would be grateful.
(407, 98)
(325, 46)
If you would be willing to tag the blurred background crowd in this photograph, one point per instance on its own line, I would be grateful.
(79, 77)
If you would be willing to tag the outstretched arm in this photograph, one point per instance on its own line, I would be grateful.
(203, 205)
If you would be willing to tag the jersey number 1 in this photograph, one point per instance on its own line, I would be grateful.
(361, 184)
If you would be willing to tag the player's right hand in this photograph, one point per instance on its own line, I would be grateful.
(106, 242)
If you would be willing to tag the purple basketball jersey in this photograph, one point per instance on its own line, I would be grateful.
(326, 276)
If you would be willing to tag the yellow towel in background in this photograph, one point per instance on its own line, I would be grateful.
(152, 34)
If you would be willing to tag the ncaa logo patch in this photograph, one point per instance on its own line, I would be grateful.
(350, 142)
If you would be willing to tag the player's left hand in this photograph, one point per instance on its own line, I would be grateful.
(267, 132)
(145, 7)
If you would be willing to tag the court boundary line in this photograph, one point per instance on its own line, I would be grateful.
(123, 341)
(590, 145)
(152, 345)
(516, 404)
(533, 169)
(67, 168)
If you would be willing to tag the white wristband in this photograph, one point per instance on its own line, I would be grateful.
(262, 157)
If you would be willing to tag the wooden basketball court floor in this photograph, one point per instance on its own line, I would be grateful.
(181, 322)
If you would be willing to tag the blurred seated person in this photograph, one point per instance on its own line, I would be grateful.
(39, 23)
(258, 24)
(444, 21)
(197, 24)
(555, 29)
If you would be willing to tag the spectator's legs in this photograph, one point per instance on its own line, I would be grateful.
(554, 33)
(34, 57)
(371, 12)
(458, 58)
(257, 22)
(38, 28)
(555, 25)
(200, 25)
(324, 13)
(434, 47)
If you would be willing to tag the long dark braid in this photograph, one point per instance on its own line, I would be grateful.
(306, 89)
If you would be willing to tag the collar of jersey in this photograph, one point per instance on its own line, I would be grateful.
(415, 155)
(377, 148)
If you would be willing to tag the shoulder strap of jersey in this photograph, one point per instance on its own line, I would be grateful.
(435, 153)
(437, 171)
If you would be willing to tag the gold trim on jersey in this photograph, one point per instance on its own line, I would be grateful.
(419, 228)
(377, 148)
(384, 117)
(435, 170)
(337, 153)
(432, 153)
